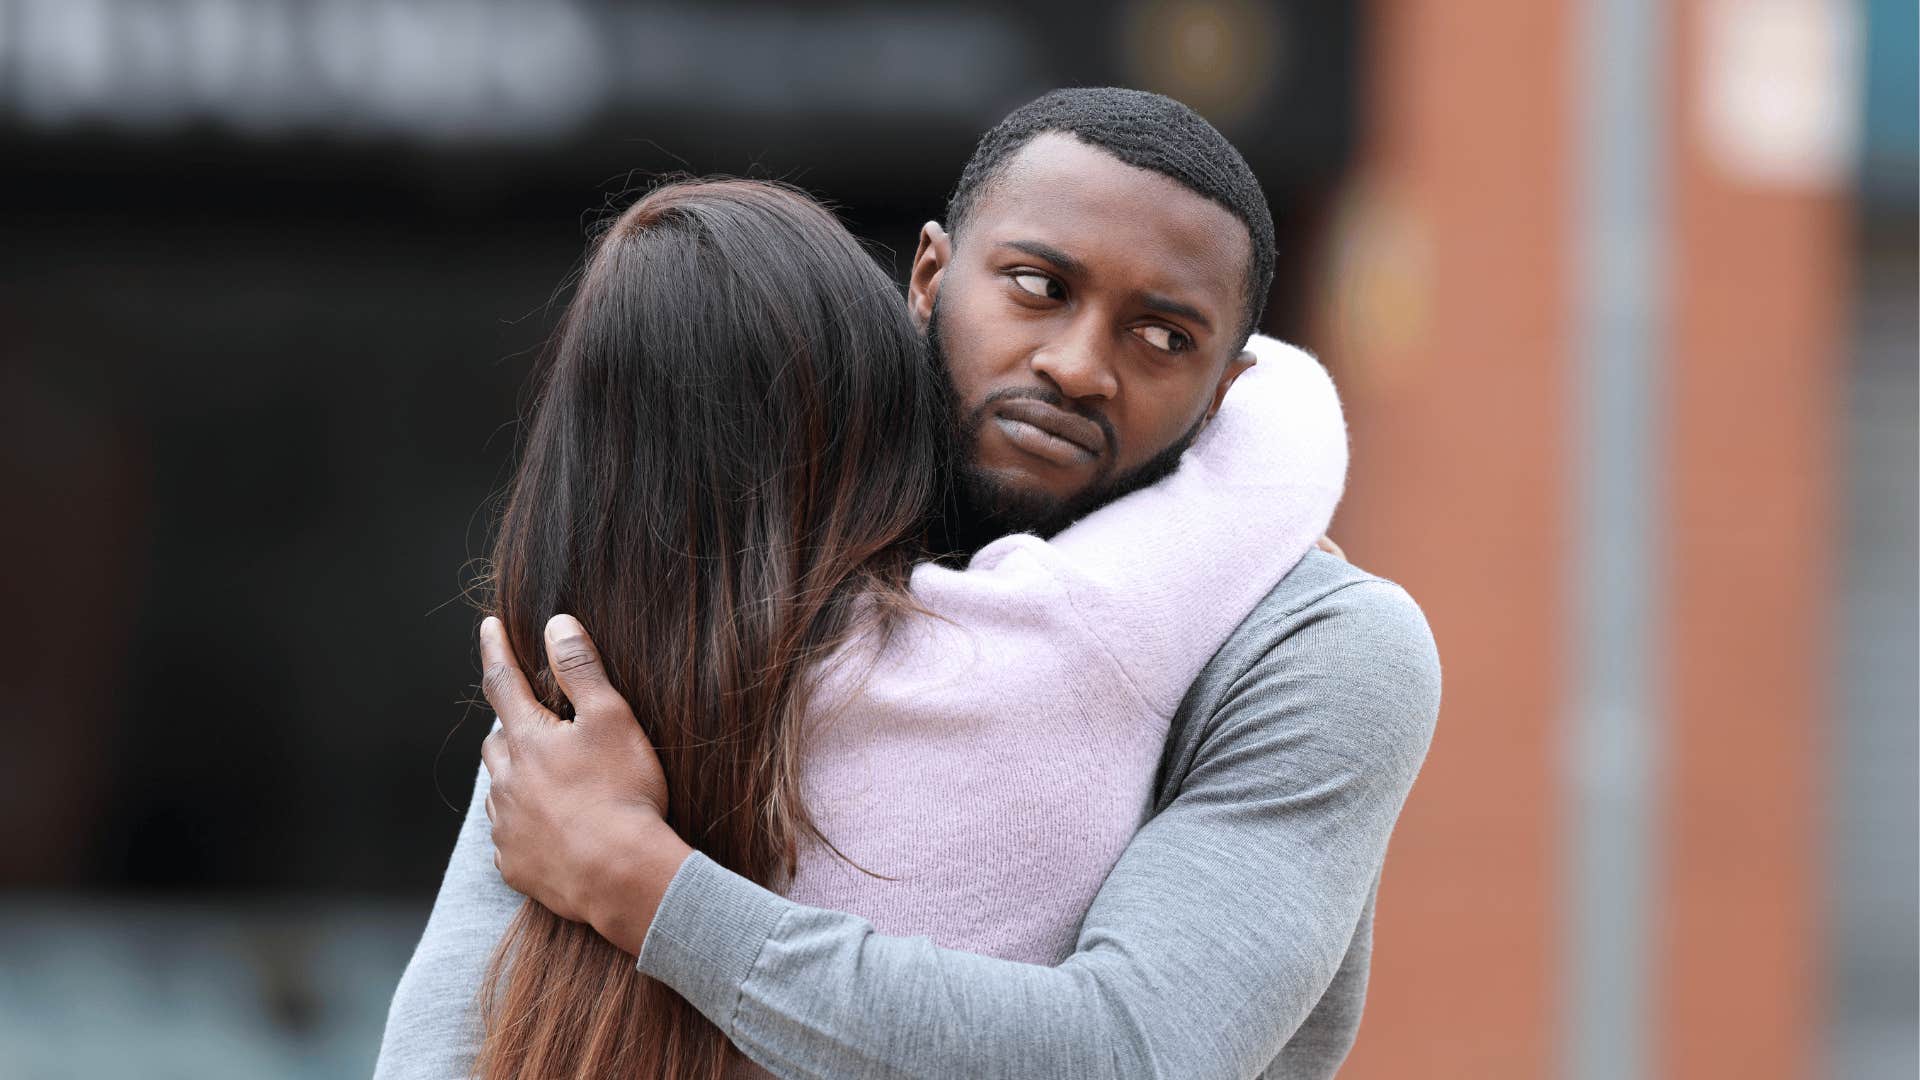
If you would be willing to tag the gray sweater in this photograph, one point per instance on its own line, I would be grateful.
(1232, 939)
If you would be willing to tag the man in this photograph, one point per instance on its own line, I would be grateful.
(1108, 256)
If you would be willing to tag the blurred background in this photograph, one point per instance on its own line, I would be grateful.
(1621, 295)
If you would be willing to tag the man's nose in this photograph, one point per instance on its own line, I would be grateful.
(1080, 363)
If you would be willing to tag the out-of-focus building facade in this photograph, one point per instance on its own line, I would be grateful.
(1634, 402)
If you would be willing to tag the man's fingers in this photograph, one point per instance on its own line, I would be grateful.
(493, 751)
(1327, 545)
(503, 683)
(575, 664)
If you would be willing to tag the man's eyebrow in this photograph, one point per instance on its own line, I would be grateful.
(1167, 305)
(1048, 252)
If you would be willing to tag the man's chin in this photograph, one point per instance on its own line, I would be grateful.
(1005, 505)
(1020, 486)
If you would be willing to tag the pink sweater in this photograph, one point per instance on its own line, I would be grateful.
(994, 761)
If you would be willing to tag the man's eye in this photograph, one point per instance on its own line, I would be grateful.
(1164, 338)
(1040, 285)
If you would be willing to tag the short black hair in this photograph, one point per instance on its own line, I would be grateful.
(1145, 130)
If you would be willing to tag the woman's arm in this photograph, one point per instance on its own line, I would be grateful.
(1164, 574)
(1217, 933)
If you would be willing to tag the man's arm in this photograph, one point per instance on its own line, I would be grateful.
(433, 1025)
(434, 1029)
(1212, 939)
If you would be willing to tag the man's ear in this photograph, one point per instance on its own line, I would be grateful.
(929, 266)
(1236, 367)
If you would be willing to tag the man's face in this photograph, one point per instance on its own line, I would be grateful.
(1089, 318)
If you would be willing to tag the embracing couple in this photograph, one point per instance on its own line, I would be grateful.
(941, 690)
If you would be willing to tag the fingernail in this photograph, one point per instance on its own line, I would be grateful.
(489, 624)
(561, 625)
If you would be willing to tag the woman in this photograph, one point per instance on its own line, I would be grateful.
(737, 445)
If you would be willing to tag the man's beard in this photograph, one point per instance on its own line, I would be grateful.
(987, 508)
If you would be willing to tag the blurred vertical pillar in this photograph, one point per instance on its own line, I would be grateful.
(1761, 104)
(1445, 318)
(1614, 719)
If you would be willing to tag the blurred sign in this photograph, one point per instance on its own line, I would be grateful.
(875, 85)
(484, 68)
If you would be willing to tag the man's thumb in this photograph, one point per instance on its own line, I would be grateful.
(576, 666)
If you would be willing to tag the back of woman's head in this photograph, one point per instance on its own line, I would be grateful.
(737, 441)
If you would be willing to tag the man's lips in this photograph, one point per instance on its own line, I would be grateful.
(1056, 437)
(1057, 422)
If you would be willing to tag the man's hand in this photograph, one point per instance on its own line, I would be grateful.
(578, 807)
(1327, 545)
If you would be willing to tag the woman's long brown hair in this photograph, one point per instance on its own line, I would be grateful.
(736, 443)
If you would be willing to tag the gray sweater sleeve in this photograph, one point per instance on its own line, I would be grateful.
(433, 1025)
(1216, 934)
